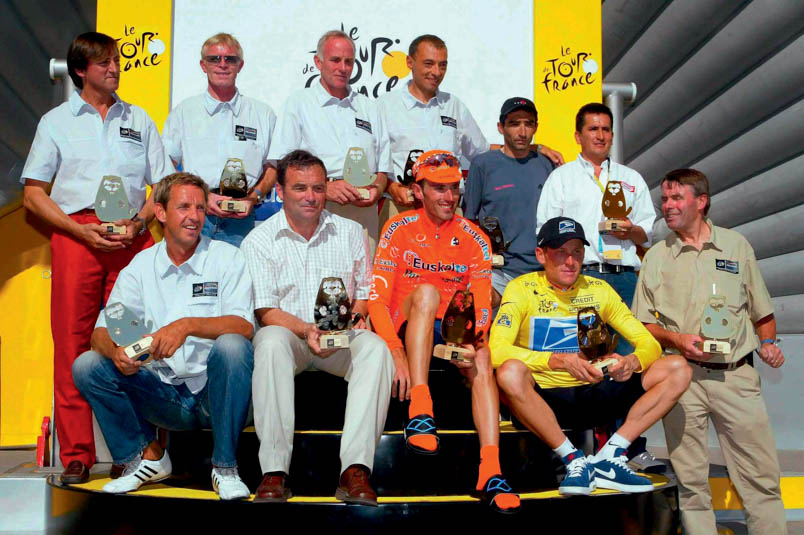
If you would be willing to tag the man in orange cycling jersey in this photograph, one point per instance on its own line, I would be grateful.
(423, 257)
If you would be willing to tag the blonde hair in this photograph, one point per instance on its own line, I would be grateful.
(222, 39)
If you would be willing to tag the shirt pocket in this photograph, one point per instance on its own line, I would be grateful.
(445, 138)
(207, 306)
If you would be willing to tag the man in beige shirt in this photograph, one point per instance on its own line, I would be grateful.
(679, 276)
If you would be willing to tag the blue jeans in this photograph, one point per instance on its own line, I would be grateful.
(228, 229)
(625, 285)
(129, 406)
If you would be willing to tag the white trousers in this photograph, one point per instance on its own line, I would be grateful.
(367, 365)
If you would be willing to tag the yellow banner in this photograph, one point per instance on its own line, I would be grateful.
(567, 67)
(143, 30)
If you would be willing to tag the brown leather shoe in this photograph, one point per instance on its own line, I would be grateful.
(116, 471)
(272, 488)
(75, 473)
(354, 486)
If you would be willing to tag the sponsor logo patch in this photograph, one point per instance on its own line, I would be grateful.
(566, 226)
(449, 121)
(558, 335)
(205, 289)
(130, 133)
(504, 319)
(243, 133)
(729, 266)
(363, 125)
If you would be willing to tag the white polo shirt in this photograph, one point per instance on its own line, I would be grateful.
(76, 148)
(287, 269)
(214, 282)
(201, 133)
(326, 126)
(573, 191)
(443, 123)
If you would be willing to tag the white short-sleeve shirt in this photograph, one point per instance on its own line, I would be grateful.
(443, 123)
(74, 148)
(214, 282)
(573, 191)
(287, 269)
(202, 133)
(326, 126)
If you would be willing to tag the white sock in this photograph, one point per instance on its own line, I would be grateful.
(565, 448)
(615, 442)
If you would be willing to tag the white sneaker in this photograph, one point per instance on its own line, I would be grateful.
(140, 471)
(228, 485)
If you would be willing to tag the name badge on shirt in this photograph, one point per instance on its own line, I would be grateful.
(729, 266)
(205, 289)
(449, 121)
(130, 133)
(363, 124)
(243, 133)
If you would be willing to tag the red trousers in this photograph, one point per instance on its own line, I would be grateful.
(82, 278)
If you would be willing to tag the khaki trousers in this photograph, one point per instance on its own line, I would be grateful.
(279, 355)
(733, 401)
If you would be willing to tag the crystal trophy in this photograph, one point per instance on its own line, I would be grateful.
(234, 184)
(356, 171)
(407, 178)
(595, 341)
(491, 226)
(111, 204)
(717, 326)
(333, 313)
(457, 326)
(129, 331)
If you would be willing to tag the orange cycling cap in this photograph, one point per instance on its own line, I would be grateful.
(439, 166)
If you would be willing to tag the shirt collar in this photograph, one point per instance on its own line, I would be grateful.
(580, 282)
(213, 105)
(677, 245)
(411, 101)
(325, 99)
(589, 166)
(325, 221)
(164, 265)
(77, 103)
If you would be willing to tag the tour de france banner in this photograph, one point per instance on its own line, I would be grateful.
(545, 50)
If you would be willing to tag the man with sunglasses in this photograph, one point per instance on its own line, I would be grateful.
(329, 118)
(203, 132)
(423, 258)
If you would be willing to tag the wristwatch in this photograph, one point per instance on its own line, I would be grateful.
(260, 195)
(141, 220)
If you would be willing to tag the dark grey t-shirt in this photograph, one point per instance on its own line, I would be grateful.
(509, 189)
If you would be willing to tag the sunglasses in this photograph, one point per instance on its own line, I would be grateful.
(437, 160)
(230, 60)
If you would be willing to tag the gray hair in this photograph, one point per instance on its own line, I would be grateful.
(319, 49)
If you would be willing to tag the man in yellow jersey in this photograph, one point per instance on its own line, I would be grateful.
(549, 385)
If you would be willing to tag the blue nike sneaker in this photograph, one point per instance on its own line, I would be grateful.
(615, 474)
(580, 478)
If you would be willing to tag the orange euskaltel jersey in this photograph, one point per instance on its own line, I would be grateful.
(413, 251)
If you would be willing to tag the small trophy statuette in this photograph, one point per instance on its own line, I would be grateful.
(111, 204)
(234, 184)
(594, 339)
(491, 226)
(356, 171)
(717, 326)
(407, 178)
(333, 313)
(614, 208)
(127, 330)
(457, 326)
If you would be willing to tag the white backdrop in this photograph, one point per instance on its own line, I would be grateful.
(490, 46)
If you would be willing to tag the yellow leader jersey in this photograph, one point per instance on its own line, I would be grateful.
(535, 320)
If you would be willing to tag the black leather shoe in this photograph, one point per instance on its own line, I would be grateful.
(75, 473)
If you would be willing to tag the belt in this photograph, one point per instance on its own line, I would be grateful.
(608, 268)
(722, 365)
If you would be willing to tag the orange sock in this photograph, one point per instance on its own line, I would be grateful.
(422, 403)
(490, 466)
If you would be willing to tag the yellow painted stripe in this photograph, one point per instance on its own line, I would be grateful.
(725, 497)
(505, 427)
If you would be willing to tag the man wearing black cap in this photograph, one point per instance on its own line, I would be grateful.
(550, 386)
(506, 184)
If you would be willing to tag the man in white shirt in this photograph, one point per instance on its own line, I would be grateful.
(77, 144)
(288, 256)
(203, 132)
(197, 294)
(576, 190)
(328, 119)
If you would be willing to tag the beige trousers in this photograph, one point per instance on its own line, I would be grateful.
(733, 401)
(279, 355)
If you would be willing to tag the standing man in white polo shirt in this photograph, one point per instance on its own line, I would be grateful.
(329, 118)
(419, 116)
(288, 256)
(92, 135)
(197, 294)
(203, 132)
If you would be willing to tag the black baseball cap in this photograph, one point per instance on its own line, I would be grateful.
(517, 103)
(558, 231)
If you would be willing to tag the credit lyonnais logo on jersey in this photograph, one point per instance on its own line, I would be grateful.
(557, 335)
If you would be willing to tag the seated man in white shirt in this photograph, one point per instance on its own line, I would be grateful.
(288, 256)
(197, 294)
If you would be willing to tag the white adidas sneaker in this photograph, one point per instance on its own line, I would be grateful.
(138, 472)
(228, 485)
